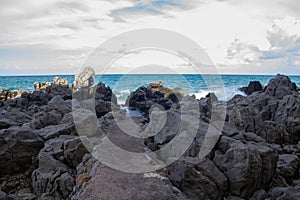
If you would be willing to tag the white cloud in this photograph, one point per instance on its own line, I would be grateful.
(62, 33)
(152, 61)
(284, 48)
(284, 38)
(138, 8)
(241, 53)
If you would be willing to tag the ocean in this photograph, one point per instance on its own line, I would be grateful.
(123, 84)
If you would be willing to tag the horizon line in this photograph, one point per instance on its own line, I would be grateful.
(9, 75)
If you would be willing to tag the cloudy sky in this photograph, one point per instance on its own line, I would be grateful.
(241, 37)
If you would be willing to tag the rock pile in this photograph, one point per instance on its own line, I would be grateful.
(256, 157)
(38, 140)
(56, 81)
(167, 92)
(155, 94)
(7, 94)
(272, 114)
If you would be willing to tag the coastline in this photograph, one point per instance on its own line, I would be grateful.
(122, 85)
(255, 157)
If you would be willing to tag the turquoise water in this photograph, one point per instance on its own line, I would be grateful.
(123, 84)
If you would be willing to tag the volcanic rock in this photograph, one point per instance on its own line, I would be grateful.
(18, 148)
(253, 86)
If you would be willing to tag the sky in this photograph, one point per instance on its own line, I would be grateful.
(240, 37)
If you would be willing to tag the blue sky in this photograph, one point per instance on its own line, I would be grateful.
(241, 37)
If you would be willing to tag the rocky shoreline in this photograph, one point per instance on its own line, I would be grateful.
(256, 157)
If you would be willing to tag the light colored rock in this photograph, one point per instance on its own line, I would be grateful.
(84, 79)
(156, 86)
(60, 81)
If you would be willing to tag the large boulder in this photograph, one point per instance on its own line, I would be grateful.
(20, 103)
(86, 121)
(165, 125)
(64, 91)
(74, 150)
(206, 106)
(143, 99)
(105, 100)
(248, 166)
(103, 107)
(18, 148)
(198, 178)
(43, 119)
(104, 93)
(99, 97)
(57, 103)
(155, 94)
(84, 79)
(140, 99)
(14, 117)
(54, 177)
(280, 86)
(253, 86)
(194, 137)
(288, 114)
(37, 98)
(271, 114)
